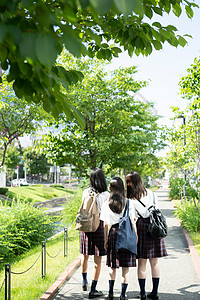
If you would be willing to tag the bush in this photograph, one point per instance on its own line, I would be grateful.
(71, 208)
(57, 186)
(176, 186)
(3, 191)
(189, 213)
(22, 226)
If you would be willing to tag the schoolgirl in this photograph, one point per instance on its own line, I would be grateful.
(92, 243)
(148, 248)
(112, 211)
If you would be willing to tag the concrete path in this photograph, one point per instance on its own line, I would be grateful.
(179, 279)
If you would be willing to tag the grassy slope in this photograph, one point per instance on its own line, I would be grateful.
(38, 193)
(195, 236)
(30, 285)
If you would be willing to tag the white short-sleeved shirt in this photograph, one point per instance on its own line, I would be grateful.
(101, 198)
(148, 201)
(111, 218)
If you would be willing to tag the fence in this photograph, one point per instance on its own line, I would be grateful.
(43, 254)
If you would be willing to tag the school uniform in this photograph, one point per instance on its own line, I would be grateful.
(120, 258)
(92, 243)
(147, 247)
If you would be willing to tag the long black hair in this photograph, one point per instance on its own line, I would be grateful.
(117, 185)
(117, 199)
(98, 180)
(136, 190)
(116, 202)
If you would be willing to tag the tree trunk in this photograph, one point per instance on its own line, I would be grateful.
(4, 154)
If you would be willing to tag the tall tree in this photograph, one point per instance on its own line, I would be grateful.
(17, 117)
(33, 33)
(36, 163)
(119, 131)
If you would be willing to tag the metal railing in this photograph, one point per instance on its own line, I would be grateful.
(43, 253)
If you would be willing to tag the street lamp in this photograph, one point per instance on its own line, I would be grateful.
(184, 143)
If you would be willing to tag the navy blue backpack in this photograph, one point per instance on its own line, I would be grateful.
(126, 237)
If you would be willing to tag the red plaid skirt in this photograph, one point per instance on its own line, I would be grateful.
(148, 247)
(116, 259)
(92, 243)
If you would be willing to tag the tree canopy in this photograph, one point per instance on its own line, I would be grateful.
(184, 155)
(33, 34)
(17, 117)
(119, 131)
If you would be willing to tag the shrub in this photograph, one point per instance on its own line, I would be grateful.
(22, 226)
(176, 186)
(57, 186)
(189, 213)
(3, 191)
(71, 208)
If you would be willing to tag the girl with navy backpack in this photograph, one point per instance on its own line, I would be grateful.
(112, 211)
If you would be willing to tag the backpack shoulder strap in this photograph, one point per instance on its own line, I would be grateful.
(126, 208)
(141, 202)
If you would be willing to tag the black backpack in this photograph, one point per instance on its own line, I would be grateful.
(157, 226)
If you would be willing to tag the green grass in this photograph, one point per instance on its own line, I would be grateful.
(154, 188)
(30, 285)
(195, 236)
(38, 193)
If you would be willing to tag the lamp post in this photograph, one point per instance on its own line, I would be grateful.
(184, 143)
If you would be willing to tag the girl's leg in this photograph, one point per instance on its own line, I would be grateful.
(125, 277)
(97, 269)
(84, 267)
(155, 271)
(112, 275)
(142, 275)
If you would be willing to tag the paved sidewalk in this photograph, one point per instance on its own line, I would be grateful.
(179, 279)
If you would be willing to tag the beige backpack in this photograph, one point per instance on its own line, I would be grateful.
(87, 218)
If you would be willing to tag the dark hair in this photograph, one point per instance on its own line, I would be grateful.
(116, 202)
(137, 189)
(98, 180)
(117, 186)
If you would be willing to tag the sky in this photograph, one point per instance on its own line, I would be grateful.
(165, 67)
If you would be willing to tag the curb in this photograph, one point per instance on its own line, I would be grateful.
(57, 284)
(193, 251)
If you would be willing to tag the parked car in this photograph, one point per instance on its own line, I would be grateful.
(19, 182)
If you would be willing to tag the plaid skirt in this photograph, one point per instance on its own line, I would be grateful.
(120, 258)
(92, 243)
(148, 247)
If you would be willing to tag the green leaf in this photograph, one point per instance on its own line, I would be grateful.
(2, 32)
(46, 48)
(157, 24)
(165, 33)
(27, 45)
(139, 43)
(148, 12)
(79, 117)
(3, 53)
(158, 10)
(157, 44)
(182, 41)
(102, 6)
(156, 34)
(176, 9)
(126, 6)
(189, 11)
(27, 3)
(171, 28)
(72, 43)
(84, 3)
